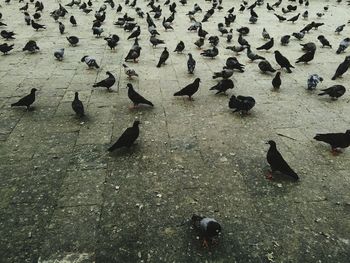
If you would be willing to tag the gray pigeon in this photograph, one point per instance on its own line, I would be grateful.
(59, 54)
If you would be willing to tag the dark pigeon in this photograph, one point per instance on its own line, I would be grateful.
(241, 104)
(189, 90)
(137, 98)
(335, 140)
(128, 137)
(78, 106)
(277, 163)
(335, 92)
(27, 100)
(106, 83)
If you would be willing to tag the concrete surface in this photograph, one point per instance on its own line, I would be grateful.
(64, 199)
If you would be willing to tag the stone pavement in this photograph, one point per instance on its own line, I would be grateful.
(64, 199)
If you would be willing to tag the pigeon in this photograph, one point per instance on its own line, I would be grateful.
(27, 18)
(344, 44)
(225, 73)
(223, 86)
(73, 40)
(294, 18)
(269, 8)
(112, 41)
(136, 98)
(37, 26)
(342, 68)
(242, 41)
(335, 92)
(180, 47)
(130, 72)
(265, 66)
(339, 29)
(191, 63)
(73, 21)
(324, 41)
(200, 42)
(241, 104)
(233, 63)
(210, 53)
(58, 54)
(236, 49)
(26, 100)
(7, 34)
(106, 83)
(189, 90)
(128, 137)
(252, 56)
(298, 35)
(135, 34)
(87, 10)
(268, 45)
(283, 61)
(31, 46)
(90, 62)
(335, 140)
(37, 16)
(307, 57)
(280, 18)
(78, 106)
(277, 163)
(285, 40)
(97, 31)
(155, 41)
(305, 15)
(229, 36)
(163, 57)
(214, 40)
(313, 80)
(243, 30)
(276, 81)
(320, 14)
(265, 35)
(308, 47)
(253, 19)
(166, 25)
(5, 48)
(24, 8)
(133, 54)
(208, 229)
(61, 27)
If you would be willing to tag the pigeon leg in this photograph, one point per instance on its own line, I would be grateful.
(269, 175)
(190, 98)
(205, 243)
(335, 151)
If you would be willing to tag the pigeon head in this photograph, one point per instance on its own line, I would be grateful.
(272, 143)
(83, 58)
(197, 80)
(33, 90)
(129, 85)
(136, 123)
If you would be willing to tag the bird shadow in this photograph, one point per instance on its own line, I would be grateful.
(134, 149)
